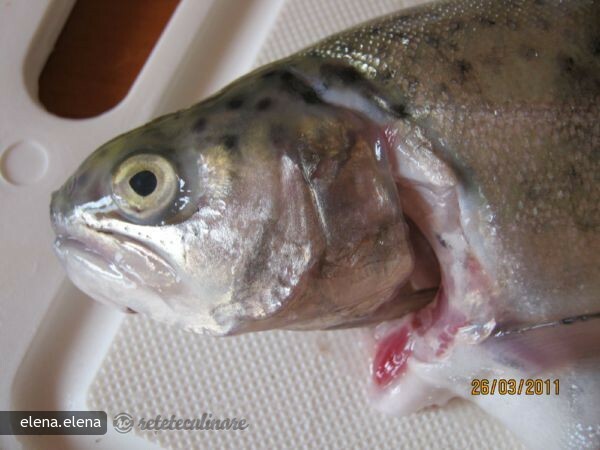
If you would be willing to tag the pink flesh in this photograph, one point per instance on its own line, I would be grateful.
(394, 350)
(440, 320)
(391, 356)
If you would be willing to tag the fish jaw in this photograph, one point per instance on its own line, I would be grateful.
(120, 265)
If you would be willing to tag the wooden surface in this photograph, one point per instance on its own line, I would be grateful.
(99, 53)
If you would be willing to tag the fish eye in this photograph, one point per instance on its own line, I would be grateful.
(144, 185)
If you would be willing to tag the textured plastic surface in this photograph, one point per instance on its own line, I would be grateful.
(61, 351)
(296, 390)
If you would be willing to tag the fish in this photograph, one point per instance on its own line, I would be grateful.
(432, 176)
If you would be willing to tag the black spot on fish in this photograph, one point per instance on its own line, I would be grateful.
(399, 35)
(413, 83)
(486, 21)
(269, 73)
(399, 109)
(235, 103)
(432, 41)
(573, 175)
(528, 53)
(346, 74)
(277, 135)
(199, 125)
(511, 24)
(464, 67)
(451, 44)
(128, 310)
(311, 97)
(376, 31)
(566, 64)
(541, 23)
(264, 104)
(349, 75)
(455, 26)
(388, 74)
(230, 141)
(287, 77)
(295, 85)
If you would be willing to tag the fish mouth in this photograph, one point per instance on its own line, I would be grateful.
(111, 267)
(90, 269)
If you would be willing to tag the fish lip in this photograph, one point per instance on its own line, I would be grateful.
(121, 238)
(63, 243)
(68, 249)
(65, 240)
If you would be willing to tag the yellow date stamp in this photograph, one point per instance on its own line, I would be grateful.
(513, 386)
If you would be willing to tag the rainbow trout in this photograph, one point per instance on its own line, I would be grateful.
(434, 174)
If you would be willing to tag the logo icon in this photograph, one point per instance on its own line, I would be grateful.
(123, 422)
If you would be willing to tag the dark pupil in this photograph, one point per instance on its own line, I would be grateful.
(143, 183)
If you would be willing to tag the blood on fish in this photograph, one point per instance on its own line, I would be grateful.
(393, 351)
(391, 357)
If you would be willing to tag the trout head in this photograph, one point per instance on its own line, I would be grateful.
(262, 207)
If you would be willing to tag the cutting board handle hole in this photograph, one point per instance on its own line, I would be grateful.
(99, 53)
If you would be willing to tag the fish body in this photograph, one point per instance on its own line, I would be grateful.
(436, 170)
